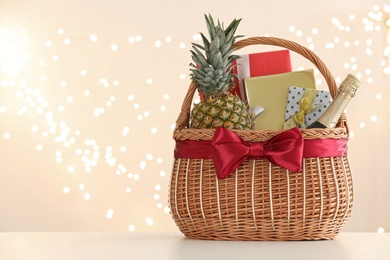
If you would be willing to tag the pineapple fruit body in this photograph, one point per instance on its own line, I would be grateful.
(226, 110)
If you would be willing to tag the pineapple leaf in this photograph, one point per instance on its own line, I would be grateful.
(221, 37)
(206, 42)
(233, 26)
(210, 26)
(199, 57)
(198, 46)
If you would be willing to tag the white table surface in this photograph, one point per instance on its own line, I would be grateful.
(172, 246)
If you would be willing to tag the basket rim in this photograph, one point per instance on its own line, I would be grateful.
(260, 135)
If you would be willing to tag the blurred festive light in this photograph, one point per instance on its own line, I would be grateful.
(110, 213)
(93, 38)
(87, 196)
(149, 221)
(114, 47)
(157, 44)
(131, 228)
(138, 38)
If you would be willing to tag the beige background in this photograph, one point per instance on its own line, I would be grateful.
(90, 91)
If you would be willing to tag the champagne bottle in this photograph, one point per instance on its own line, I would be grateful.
(331, 116)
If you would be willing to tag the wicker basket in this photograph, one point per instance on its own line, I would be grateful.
(262, 201)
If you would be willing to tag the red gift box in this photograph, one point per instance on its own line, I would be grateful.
(259, 64)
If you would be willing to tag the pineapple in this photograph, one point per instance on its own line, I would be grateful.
(213, 76)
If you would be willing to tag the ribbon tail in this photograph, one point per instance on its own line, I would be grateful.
(286, 150)
(228, 152)
(224, 170)
(293, 166)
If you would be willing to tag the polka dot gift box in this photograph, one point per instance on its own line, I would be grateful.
(304, 106)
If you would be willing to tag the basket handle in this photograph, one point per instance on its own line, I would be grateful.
(183, 119)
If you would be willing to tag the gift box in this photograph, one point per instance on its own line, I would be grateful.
(305, 106)
(259, 64)
(270, 92)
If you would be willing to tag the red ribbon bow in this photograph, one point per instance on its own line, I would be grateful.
(229, 150)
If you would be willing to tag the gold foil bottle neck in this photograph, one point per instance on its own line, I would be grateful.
(331, 116)
(350, 85)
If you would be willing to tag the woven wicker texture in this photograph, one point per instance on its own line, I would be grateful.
(261, 201)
